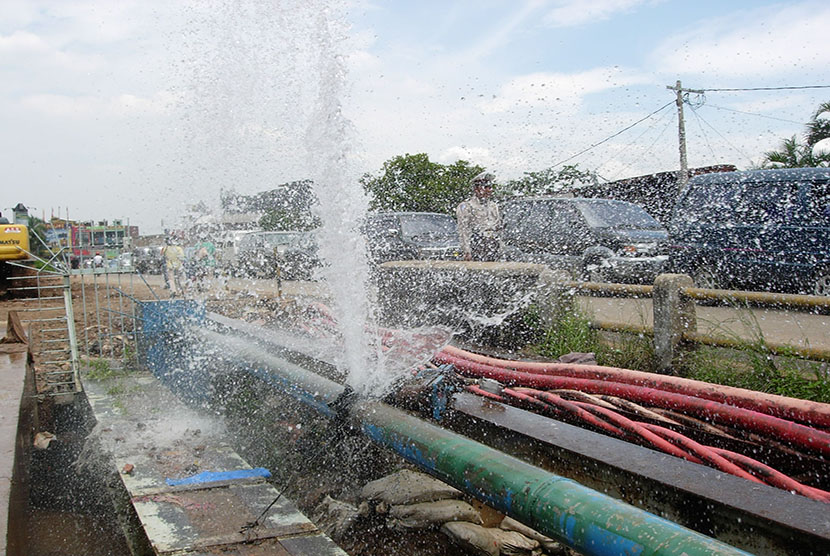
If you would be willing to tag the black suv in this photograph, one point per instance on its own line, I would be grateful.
(762, 229)
(394, 236)
(594, 239)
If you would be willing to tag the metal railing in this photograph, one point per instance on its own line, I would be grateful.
(729, 298)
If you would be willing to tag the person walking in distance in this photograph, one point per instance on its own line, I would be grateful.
(479, 222)
(174, 263)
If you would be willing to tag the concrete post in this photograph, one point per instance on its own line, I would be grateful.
(673, 315)
(553, 296)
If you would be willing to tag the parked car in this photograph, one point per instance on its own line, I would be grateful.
(395, 236)
(292, 255)
(594, 239)
(761, 229)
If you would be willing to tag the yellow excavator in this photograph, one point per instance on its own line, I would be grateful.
(14, 245)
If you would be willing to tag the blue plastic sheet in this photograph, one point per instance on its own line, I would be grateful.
(214, 476)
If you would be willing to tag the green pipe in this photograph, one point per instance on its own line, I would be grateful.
(588, 521)
(584, 519)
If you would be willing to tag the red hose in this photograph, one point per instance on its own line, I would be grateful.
(706, 453)
(805, 411)
(678, 445)
(774, 477)
(579, 412)
(799, 435)
(624, 423)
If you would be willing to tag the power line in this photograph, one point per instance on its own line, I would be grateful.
(754, 114)
(647, 151)
(703, 132)
(583, 151)
(722, 137)
(770, 88)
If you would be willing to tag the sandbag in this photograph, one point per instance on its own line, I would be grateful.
(474, 538)
(427, 514)
(550, 545)
(512, 543)
(336, 517)
(408, 487)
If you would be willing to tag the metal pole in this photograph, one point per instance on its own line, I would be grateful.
(70, 330)
(683, 175)
(97, 313)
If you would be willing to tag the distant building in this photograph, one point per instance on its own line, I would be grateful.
(654, 192)
(84, 239)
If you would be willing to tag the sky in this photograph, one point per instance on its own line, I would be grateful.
(138, 109)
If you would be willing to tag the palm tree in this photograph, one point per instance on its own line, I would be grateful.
(819, 126)
(794, 154)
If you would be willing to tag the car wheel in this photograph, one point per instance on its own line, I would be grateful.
(821, 282)
(706, 277)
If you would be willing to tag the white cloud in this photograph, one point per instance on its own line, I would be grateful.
(570, 13)
(783, 40)
(559, 91)
(474, 155)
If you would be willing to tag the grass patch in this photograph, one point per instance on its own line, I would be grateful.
(754, 368)
(751, 366)
(571, 332)
(99, 368)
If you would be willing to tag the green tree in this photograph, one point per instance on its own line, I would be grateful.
(791, 154)
(796, 154)
(819, 126)
(551, 181)
(280, 220)
(412, 182)
(37, 228)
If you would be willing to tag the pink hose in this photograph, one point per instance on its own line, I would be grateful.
(799, 435)
(814, 413)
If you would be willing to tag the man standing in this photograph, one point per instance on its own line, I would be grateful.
(174, 263)
(479, 222)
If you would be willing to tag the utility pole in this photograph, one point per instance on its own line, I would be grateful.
(683, 174)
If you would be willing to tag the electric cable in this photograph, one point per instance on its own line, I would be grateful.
(739, 151)
(705, 137)
(754, 114)
(786, 88)
(620, 132)
(668, 122)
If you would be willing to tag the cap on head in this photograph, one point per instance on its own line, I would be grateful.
(484, 179)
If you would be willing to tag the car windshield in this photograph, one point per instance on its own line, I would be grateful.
(611, 214)
(432, 226)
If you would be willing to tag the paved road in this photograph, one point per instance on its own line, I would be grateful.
(776, 326)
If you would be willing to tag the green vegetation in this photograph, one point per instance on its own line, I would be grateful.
(414, 183)
(99, 368)
(750, 366)
(754, 368)
(571, 332)
(551, 182)
(794, 153)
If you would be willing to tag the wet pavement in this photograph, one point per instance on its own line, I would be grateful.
(191, 492)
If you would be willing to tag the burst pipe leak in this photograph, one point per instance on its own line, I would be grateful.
(586, 520)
